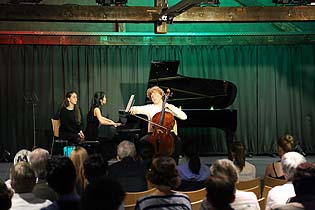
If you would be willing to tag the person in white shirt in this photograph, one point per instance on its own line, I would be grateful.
(155, 94)
(279, 195)
(23, 180)
(243, 200)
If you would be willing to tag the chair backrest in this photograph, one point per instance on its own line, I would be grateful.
(55, 126)
(262, 203)
(195, 195)
(250, 186)
(256, 190)
(196, 205)
(272, 182)
(132, 197)
(265, 191)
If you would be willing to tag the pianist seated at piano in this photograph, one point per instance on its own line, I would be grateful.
(95, 119)
(155, 94)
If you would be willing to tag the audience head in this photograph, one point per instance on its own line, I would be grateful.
(38, 160)
(61, 175)
(22, 177)
(163, 172)
(285, 144)
(99, 99)
(304, 185)
(290, 162)
(146, 150)
(5, 196)
(225, 167)
(102, 191)
(95, 166)
(22, 155)
(126, 149)
(220, 192)
(237, 154)
(304, 179)
(78, 156)
(191, 152)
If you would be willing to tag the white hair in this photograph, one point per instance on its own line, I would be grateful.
(290, 162)
(126, 149)
(225, 167)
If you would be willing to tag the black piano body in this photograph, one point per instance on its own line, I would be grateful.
(205, 101)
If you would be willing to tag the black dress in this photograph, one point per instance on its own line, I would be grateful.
(69, 127)
(92, 126)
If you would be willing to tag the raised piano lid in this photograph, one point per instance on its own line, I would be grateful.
(190, 92)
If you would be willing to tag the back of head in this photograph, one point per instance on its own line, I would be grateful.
(286, 142)
(95, 166)
(23, 177)
(191, 152)
(145, 150)
(5, 196)
(225, 167)
(237, 154)
(126, 149)
(304, 179)
(101, 192)
(38, 160)
(290, 162)
(304, 185)
(22, 155)
(61, 174)
(164, 172)
(220, 192)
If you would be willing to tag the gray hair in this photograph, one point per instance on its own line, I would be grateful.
(290, 162)
(38, 160)
(225, 167)
(126, 149)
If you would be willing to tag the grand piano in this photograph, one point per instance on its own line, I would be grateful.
(205, 101)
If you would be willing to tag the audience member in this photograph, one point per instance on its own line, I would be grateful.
(243, 200)
(95, 166)
(23, 180)
(192, 172)
(220, 192)
(21, 156)
(128, 171)
(146, 153)
(279, 195)
(101, 192)
(285, 144)
(61, 178)
(304, 186)
(5, 196)
(38, 160)
(237, 154)
(78, 156)
(164, 176)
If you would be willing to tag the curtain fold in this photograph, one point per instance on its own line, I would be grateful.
(276, 88)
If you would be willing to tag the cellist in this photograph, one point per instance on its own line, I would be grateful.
(155, 94)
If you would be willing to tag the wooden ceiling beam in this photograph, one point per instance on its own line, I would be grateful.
(79, 13)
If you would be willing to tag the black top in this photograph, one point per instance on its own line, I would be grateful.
(93, 124)
(69, 127)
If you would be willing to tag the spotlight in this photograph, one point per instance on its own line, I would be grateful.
(111, 2)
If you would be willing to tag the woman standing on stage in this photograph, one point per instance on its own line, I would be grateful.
(70, 116)
(95, 118)
(155, 94)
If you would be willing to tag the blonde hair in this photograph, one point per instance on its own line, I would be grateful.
(152, 89)
(78, 156)
(286, 142)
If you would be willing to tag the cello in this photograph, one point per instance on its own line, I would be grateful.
(161, 138)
